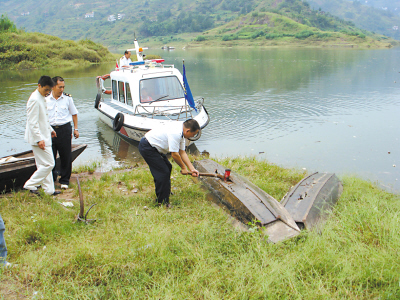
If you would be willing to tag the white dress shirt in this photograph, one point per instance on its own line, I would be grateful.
(167, 138)
(124, 61)
(60, 110)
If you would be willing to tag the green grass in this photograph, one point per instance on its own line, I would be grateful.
(89, 167)
(136, 250)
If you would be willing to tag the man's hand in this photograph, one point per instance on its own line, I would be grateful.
(184, 171)
(194, 172)
(41, 144)
(76, 133)
(53, 134)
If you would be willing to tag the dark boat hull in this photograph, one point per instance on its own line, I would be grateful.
(312, 198)
(248, 203)
(281, 220)
(14, 174)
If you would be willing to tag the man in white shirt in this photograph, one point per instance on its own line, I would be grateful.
(38, 134)
(157, 143)
(62, 111)
(125, 60)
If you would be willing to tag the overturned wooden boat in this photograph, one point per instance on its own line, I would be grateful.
(310, 201)
(248, 203)
(16, 169)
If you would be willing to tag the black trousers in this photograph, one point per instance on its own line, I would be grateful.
(160, 168)
(62, 145)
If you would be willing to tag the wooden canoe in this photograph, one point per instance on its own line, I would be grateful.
(312, 198)
(248, 203)
(15, 170)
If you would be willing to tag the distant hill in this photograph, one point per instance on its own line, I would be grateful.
(380, 16)
(278, 29)
(114, 23)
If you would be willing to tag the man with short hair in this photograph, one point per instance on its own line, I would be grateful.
(38, 134)
(125, 60)
(62, 111)
(157, 143)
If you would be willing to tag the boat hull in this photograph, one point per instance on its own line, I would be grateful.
(14, 174)
(310, 201)
(247, 203)
(280, 220)
(135, 127)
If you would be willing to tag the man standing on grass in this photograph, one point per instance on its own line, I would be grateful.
(157, 143)
(62, 111)
(38, 133)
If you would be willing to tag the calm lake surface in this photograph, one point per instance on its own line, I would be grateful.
(322, 110)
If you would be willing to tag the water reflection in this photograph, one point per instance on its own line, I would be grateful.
(323, 110)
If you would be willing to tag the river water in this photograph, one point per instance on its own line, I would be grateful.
(326, 110)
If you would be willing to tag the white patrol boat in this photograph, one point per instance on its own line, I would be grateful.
(146, 95)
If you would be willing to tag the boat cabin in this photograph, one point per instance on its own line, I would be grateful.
(148, 88)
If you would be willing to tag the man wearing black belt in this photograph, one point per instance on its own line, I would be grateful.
(62, 111)
(157, 143)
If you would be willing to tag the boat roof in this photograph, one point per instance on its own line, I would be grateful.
(144, 70)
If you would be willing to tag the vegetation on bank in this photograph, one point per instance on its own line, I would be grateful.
(274, 29)
(23, 50)
(136, 250)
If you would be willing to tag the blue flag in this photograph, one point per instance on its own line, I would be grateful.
(188, 93)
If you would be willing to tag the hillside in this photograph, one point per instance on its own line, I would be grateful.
(114, 24)
(23, 50)
(380, 16)
(293, 24)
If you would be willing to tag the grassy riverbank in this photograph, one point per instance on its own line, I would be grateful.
(138, 251)
(22, 50)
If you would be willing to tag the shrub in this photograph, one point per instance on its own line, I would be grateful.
(271, 36)
(304, 34)
(71, 54)
(6, 24)
(257, 34)
(90, 55)
(200, 38)
(230, 37)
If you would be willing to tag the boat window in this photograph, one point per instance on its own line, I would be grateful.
(121, 91)
(114, 90)
(128, 94)
(162, 88)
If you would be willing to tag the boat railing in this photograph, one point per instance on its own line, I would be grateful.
(146, 66)
(171, 112)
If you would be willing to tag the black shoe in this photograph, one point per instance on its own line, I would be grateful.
(36, 192)
(56, 193)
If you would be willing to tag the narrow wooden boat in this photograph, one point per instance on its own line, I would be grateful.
(15, 170)
(248, 203)
(312, 198)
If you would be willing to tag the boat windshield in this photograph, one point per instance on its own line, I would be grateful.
(160, 89)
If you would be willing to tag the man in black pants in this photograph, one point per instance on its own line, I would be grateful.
(157, 143)
(62, 111)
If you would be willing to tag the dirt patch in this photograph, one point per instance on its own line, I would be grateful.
(13, 290)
